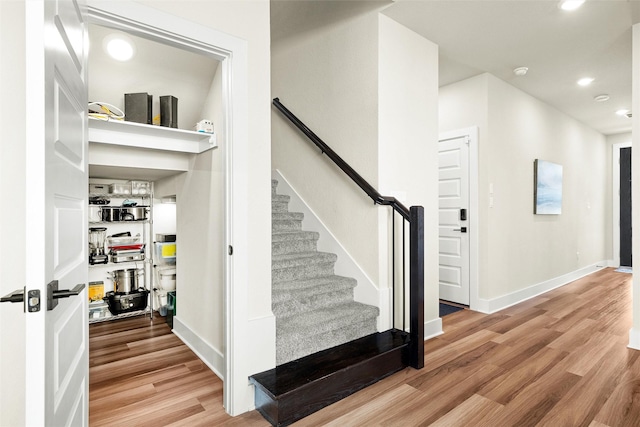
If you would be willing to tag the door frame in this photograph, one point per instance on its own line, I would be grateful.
(156, 25)
(615, 180)
(472, 135)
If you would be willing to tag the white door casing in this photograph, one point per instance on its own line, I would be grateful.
(232, 51)
(57, 178)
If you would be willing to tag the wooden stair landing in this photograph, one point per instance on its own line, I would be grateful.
(301, 387)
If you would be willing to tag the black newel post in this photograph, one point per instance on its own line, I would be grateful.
(416, 287)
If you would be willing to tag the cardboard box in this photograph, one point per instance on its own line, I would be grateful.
(96, 291)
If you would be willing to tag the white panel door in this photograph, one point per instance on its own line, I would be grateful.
(454, 219)
(57, 187)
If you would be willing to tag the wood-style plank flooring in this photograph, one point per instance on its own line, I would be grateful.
(560, 359)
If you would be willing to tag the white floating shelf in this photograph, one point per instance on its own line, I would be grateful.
(140, 135)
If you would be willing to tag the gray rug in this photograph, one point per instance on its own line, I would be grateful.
(624, 270)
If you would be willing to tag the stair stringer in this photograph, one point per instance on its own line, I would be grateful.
(366, 291)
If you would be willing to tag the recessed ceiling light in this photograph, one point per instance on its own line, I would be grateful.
(520, 71)
(119, 47)
(601, 98)
(570, 4)
(622, 112)
(585, 81)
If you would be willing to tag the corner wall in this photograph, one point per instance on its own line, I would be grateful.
(521, 252)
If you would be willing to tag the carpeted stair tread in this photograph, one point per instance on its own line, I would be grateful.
(280, 198)
(289, 235)
(301, 259)
(315, 283)
(287, 216)
(325, 320)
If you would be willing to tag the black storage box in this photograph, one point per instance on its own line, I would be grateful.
(137, 107)
(169, 111)
(120, 302)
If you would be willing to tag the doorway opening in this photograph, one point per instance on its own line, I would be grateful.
(200, 183)
(621, 178)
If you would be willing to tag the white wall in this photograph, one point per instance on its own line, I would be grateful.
(408, 141)
(518, 249)
(326, 74)
(12, 226)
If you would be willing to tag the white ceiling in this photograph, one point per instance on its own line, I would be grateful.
(558, 47)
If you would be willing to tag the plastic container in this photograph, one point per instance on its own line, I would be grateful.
(98, 310)
(140, 187)
(121, 189)
(165, 252)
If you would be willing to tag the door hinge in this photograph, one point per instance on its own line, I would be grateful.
(230, 250)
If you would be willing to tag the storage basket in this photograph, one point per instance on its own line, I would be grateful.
(121, 189)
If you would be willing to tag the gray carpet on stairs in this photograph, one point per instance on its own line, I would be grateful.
(314, 308)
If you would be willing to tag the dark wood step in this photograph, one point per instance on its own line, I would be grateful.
(301, 387)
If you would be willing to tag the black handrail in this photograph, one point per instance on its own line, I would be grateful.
(355, 176)
(415, 218)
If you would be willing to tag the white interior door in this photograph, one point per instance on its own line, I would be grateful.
(454, 219)
(57, 188)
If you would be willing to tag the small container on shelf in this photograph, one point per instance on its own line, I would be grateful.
(165, 253)
(98, 189)
(99, 310)
(120, 189)
(96, 291)
(140, 187)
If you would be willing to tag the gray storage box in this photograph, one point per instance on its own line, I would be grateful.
(137, 107)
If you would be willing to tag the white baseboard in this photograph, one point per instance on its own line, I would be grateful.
(433, 328)
(634, 339)
(366, 291)
(205, 351)
(496, 304)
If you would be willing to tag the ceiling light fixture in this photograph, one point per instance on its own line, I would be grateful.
(601, 98)
(622, 112)
(586, 81)
(119, 46)
(520, 71)
(570, 4)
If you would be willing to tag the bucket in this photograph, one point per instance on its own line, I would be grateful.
(167, 278)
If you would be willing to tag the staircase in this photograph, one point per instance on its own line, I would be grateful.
(327, 347)
(314, 308)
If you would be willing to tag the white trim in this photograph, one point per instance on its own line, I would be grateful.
(474, 210)
(433, 328)
(233, 52)
(366, 291)
(634, 339)
(615, 218)
(496, 304)
(205, 351)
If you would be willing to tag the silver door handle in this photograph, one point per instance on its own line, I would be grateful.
(461, 229)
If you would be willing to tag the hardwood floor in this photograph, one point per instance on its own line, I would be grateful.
(559, 359)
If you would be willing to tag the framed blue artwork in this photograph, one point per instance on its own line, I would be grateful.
(547, 190)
